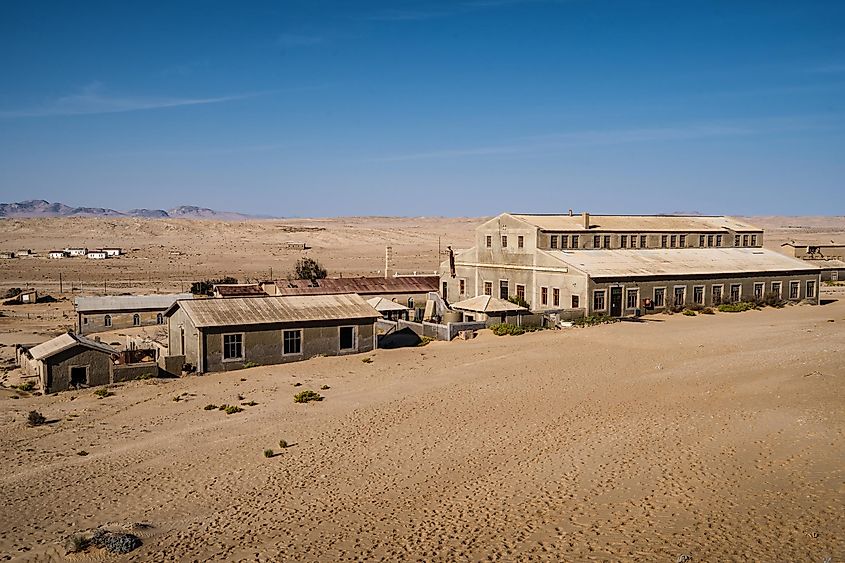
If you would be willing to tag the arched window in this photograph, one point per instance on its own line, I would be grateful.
(136, 319)
(107, 320)
(159, 319)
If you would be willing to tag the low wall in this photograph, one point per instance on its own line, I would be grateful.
(131, 372)
(432, 330)
(171, 365)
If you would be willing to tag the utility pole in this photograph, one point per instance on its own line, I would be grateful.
(61, 288)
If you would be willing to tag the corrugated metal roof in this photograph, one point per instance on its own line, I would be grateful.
(679, 261)
(361, 286)
(666, 223)
(128, 302)
(275, 309)
(381, 304)
(65, 342)
(239, 290)
(487, 304)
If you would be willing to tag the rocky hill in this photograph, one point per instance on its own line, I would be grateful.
(42, 208)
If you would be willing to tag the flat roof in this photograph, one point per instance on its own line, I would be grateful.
(668, 223)
(679, 261)
(239, 311)
(127, 302)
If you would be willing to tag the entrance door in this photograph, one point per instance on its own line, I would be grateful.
(78, 376)
(615, 301)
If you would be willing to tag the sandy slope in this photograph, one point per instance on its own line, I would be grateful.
(720, 437)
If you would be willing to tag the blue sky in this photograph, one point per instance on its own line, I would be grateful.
(411, 107)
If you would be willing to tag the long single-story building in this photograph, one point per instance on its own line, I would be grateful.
(227, 334)
(830, 258)
(67, 362)
(98, 314)
(490, 310)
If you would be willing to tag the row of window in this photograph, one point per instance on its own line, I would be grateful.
(679, 294)
(136, 320)
(504, 293)
(233, 344)
(520, 241)
(641, 241)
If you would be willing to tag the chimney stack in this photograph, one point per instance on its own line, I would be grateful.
(570, 213)
(586, 220)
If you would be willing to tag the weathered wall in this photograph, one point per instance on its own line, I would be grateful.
(586, 238)
(263, 345)
(89, 323)
(180, 330)
(131, 372)
(58, 368)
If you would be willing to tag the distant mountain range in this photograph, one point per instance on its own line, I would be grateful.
(41, 208)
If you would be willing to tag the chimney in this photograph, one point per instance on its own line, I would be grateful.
(586, 220)
(570, 213)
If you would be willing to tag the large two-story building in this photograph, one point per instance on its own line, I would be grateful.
(619, 265)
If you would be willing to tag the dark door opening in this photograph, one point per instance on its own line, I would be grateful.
(615, 301)
(347, 338)
(78, 376)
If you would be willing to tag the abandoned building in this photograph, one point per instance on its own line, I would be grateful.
(830, 258)
(6, 255)
(96, 255)
(490, 309)
(388, 309)
(98, 314)
(67, 362)
(80, 251)
(227, 334)
(26, 296)
(113, 251)
(229, 290)
(574, 265)
(57, 254)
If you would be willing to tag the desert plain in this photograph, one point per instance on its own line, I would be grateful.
(707, 438)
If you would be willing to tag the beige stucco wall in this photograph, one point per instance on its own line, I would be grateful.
(57, 372)
(89, 323)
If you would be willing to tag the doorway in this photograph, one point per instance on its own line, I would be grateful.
(78, 376)
(615, 301)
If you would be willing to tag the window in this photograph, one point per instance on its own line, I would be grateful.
(701, 240)
(544, 295)
(753, 240)
(717, 294)
(596, 241)
(680, 296)
(811, 289)
(520, 241)
(107, 320)
(292, 341)
(834, 276)
(710, 240)
(698, 295)
(682, 241)
(758, 290)
(462, 286)
(233, 346)
(556, 297)
(736, 292)
(85, 319)
(606, 241)
(136, 320)
(503, 289)
(553, 241)
(489, 241)
(643, 240)
(520, 291)
(575, 302)
(736, 240)
(574, 242)
(633, 241)
(347, 338)
(445, 289)
(563, 240)
(672, 241)
(504, 241)
(632, 298)
(598, 300)
(488, 288)
(777, 289)
(744, 240)
(718, 240)
(159, 319)
(623, 241)
(794, 289)
(659, 296)
(663, 240)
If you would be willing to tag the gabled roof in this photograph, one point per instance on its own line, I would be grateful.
(361, 286)
(127, 302)
(239, 290)
(680, 261)
(242, 311)
(381, 304)
(65, 342)
(487, 304)
(665, 223)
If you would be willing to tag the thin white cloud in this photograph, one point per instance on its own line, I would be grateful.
(92, 101)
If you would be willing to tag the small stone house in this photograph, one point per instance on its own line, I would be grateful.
(67, 362)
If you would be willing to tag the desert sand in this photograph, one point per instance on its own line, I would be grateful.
(717, 437)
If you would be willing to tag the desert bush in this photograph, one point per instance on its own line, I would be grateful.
(307, 396)
(517, 300)
(737, 307)
(268, 453)
(689, 312)
(209, 407)
(695, 307)
(425, 340)
(707, 311)
(324, 387)
(26, 386)
(232, 409)
(772, 299)
(502, 329)
(76, 543)
(593, 320)
(206, 287)
(367, 360)
(283, 444)
(12, 292)
(249, 404)
(35, 418)
(250, 365)
(309, 269)
(103, 392)
(115, 542)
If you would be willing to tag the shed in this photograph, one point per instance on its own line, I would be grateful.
(69, 361)
(389, 309)
(226, 334)
(27, 296)
(490, 309)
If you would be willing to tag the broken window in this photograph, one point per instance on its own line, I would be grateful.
(233, 346)
(292, 341)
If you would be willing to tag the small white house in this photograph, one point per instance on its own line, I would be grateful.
(24, 252)
(56, 254)
(97, 255)
(76, 251)
(112, 251)
(6, 255)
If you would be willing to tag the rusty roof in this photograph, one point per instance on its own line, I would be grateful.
(240, 311)
(361, 286)
(239, 290)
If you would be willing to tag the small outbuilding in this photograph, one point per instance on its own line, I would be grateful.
(388, 309)
(113, 251)
(81, 251)
(227, 334)
(57, 254)
(96, 255)
(6, 255)
(491, 310)
(67, 362)
(27, 296)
